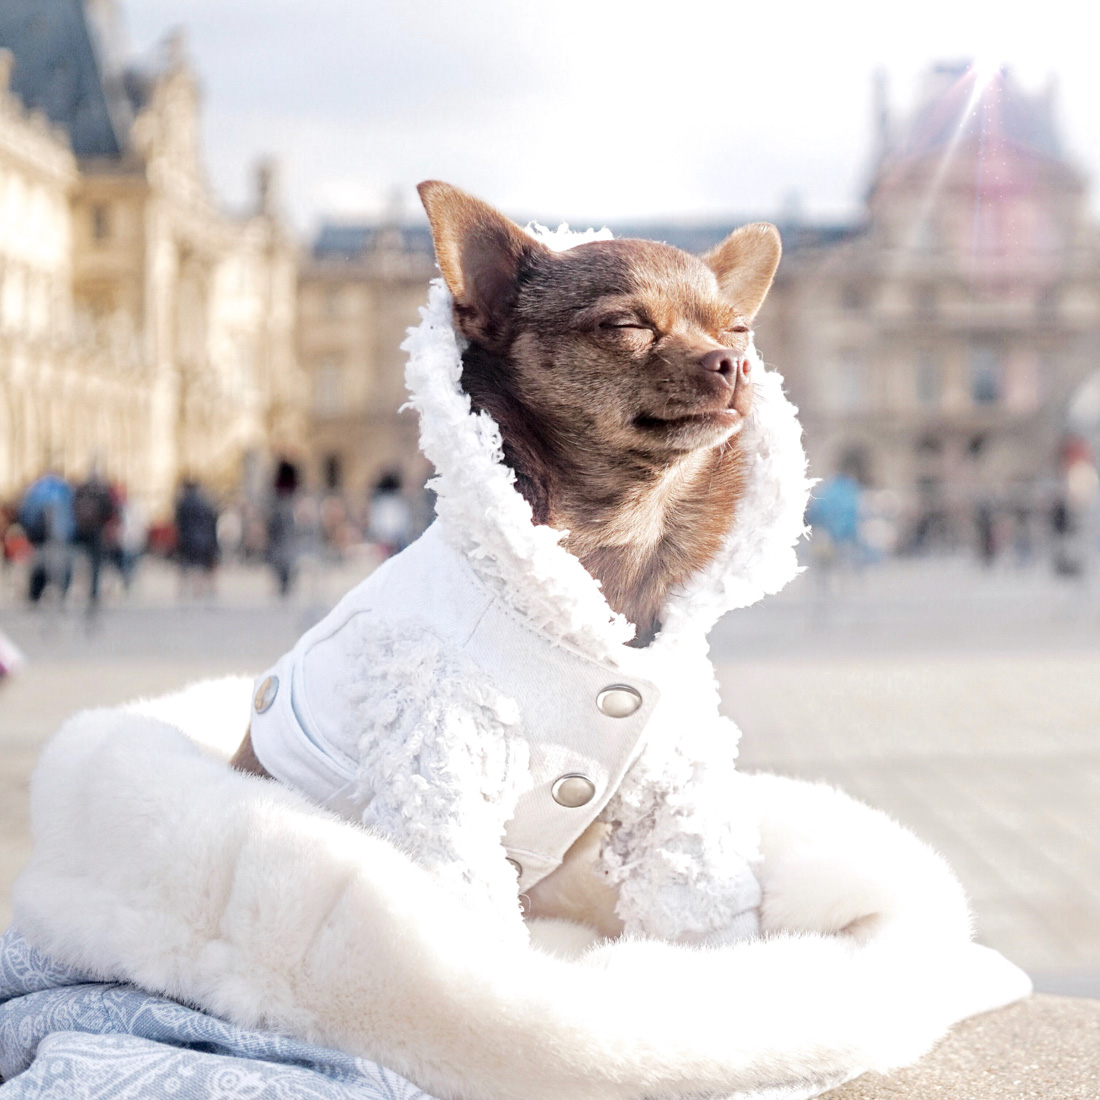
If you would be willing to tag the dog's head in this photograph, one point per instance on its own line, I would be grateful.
(628, 346)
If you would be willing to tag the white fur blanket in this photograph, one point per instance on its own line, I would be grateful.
(155, 863)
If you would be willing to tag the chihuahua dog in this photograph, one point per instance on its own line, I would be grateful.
(618, 374)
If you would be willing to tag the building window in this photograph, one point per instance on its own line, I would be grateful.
(101, 222)
(929, 382)
(853, 296)
(925, 301)
(989, 229)
(1049, 304)
(1024, 372)
(332, 301)
(852, 381)
(925, 235)
(856, 463)
(985, 375)
(333, 472)
(328, 393)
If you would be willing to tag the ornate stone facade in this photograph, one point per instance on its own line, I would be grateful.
(169, 345)
(936, 348)
(358, 293)
(39, 370)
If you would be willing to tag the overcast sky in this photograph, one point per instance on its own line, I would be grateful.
(589, 110)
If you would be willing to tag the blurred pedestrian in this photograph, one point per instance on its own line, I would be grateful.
(11, 660)
(1023, 539)
(46, 515)
(196, 539)
(131, 534)
(93, 511)
(390, 521)
(985, 524)
(14, 545)
(834, 512)
(336, 532)
(1064, 524)
(282, 527)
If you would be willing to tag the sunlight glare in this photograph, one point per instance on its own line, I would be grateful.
(983, 71)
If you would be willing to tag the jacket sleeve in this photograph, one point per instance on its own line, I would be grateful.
(441, 761)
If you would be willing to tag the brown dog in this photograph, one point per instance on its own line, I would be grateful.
(617, 373)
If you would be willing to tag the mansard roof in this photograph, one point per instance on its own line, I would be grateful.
(61, 69)
(350, 242)
(960, 103)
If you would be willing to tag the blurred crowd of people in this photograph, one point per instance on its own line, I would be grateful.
(56, 524)
(854, 525)
(56, 520)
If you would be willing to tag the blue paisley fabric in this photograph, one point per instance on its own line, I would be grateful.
(65, 1035)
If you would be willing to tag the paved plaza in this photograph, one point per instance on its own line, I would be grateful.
(965, 702)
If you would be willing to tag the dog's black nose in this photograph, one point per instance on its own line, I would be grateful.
(722, 361)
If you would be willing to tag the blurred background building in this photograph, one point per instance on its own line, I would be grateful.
(143, 329)
(942, 347)
(938, 348)
(359, 289)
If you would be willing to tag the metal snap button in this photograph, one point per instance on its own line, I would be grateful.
(265, 694)
(573, 790)
(618, 701)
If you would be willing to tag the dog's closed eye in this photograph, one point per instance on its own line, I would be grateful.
(627, 321)
(631, 335)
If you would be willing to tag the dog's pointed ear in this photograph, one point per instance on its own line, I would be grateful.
(744, 264)
(481, 254)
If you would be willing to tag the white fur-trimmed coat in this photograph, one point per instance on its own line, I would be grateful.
(156, 863)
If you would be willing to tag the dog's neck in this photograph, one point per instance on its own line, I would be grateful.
(641, 532)
(639, 524)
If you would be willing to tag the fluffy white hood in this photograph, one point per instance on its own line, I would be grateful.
(487, 519)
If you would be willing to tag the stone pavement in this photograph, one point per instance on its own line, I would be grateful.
(1044, 1048)
(966, 704)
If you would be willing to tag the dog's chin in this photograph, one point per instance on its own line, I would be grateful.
(691, 432)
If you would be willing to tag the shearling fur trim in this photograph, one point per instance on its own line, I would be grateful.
(489, 521)
(685, 832)
(483, 515)
(442, 759)
(157, 864)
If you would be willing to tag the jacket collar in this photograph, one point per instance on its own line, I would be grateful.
(484, 517)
